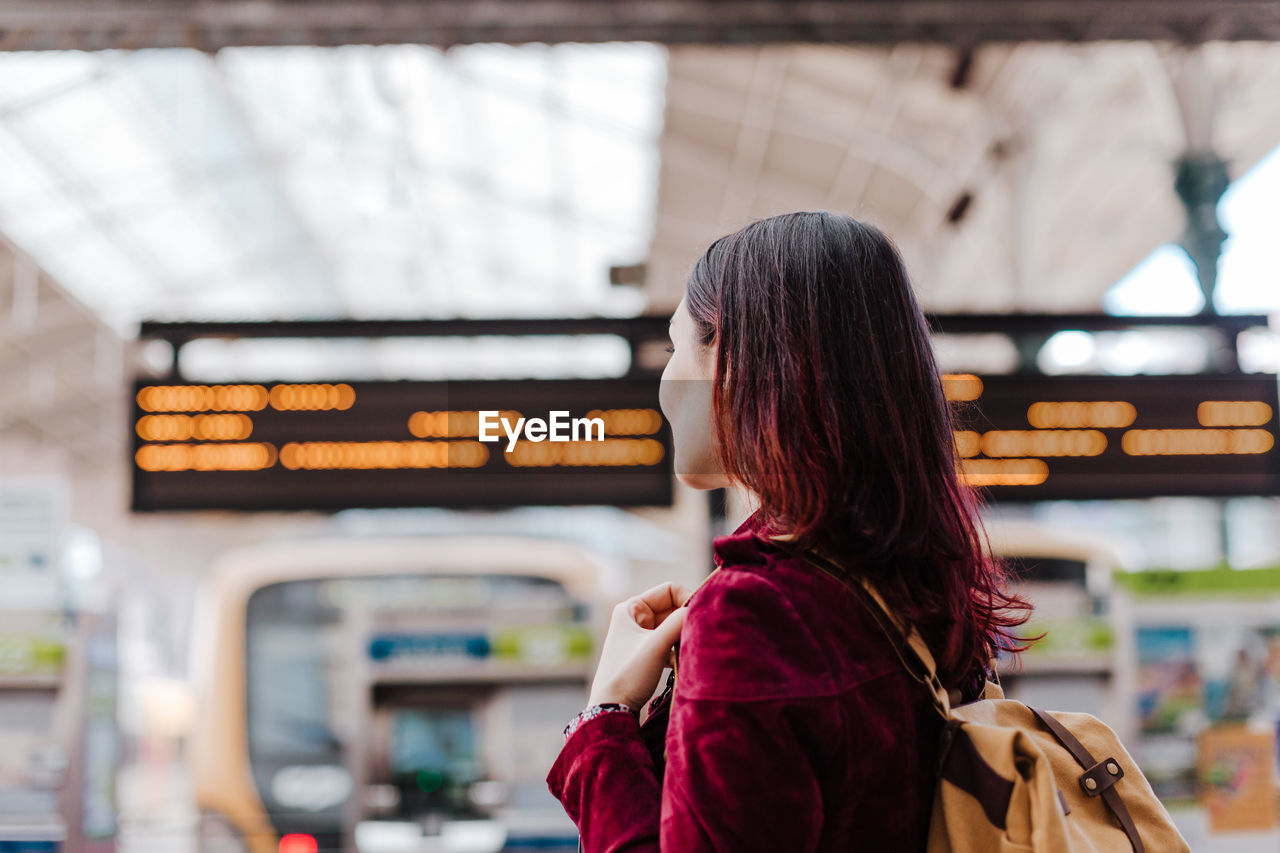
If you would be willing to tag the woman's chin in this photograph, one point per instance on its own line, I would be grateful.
(703, 481)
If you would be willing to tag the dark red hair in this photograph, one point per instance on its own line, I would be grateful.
(828, 405)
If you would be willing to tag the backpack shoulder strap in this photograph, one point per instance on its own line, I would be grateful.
(910, 647)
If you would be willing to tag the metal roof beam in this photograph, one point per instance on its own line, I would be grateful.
(647, 326)
(213, 24)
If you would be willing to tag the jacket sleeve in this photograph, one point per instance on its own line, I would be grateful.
(606, 781)
(751, 722)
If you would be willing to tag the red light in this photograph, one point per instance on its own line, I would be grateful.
(298, 843)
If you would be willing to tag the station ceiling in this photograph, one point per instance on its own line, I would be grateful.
(1026, 177)
(489, 180)
(295, 183)
(486, 180)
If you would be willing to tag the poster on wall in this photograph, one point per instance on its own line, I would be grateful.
(1240, 666)
(1189, 678)
(1236, 768)
(1169, 690)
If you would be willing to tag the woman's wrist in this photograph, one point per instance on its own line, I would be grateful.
(595, 710)
(607, 693)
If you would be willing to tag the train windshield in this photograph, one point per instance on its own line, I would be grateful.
(416, 691)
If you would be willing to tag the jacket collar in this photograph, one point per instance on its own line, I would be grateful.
(744, 544)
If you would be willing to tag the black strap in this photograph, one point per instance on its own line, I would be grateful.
(915, 666)
(1085, 759)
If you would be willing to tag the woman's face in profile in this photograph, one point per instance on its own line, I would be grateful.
(685, 397)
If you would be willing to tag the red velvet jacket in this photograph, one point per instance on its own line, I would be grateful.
(793, 727)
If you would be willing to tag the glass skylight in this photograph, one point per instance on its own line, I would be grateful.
(288, 183)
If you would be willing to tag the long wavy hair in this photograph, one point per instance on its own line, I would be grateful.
(829, 406)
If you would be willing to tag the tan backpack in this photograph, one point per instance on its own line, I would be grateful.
(1015, 779)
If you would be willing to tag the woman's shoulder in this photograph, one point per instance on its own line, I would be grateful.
(765, 624)
(743, 639)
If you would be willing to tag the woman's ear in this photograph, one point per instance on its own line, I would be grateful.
(710, 352)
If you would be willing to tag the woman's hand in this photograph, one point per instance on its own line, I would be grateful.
(638, 645)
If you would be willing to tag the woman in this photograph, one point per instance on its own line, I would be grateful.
(801, 371)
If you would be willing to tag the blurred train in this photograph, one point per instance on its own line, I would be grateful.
(407, 696)
(388, 695)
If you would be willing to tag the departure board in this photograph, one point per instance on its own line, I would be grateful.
(1027, 438)
(339, 445)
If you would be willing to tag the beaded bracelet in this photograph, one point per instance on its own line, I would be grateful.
(593, 712)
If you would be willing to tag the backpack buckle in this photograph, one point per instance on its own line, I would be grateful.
(1100, 777)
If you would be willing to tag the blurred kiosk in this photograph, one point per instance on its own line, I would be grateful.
(389, 695)
(1206, 703)
(59, 739)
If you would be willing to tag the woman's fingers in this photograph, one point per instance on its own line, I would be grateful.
(639, 644)
(665, 636)
(666, 596)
